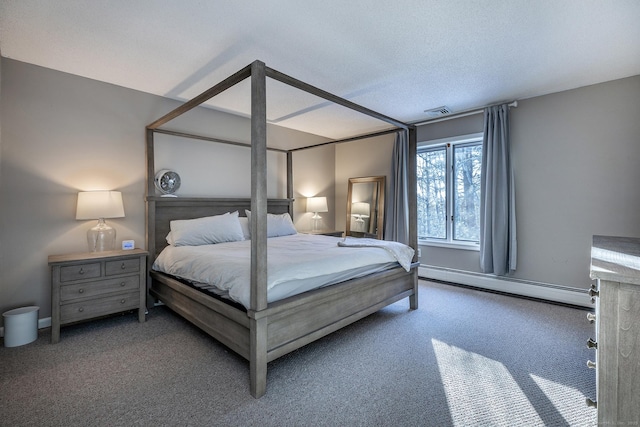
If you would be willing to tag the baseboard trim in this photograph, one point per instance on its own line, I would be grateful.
(545, 291)
(42, 323)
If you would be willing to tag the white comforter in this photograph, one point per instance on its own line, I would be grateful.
(295, 264)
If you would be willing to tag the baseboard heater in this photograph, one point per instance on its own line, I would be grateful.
(545, 291)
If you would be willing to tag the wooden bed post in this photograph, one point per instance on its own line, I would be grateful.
(150, 207)
(290, 181)
(258, 187)
(258, 326)
(413, 210)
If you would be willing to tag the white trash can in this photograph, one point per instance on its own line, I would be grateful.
(20, 326)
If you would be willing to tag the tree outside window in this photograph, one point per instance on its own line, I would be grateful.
(448, 185)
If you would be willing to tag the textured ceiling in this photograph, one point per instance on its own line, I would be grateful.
(399, 58)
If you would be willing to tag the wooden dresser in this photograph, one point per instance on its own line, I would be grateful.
(89, 285)
(615, 263)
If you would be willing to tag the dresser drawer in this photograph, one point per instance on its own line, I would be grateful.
(99, 307)
(69, 273)
(99, 287)
(122, 266)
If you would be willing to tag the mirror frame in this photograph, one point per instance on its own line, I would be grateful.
(380, 184)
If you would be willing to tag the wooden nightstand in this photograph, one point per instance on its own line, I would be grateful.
(89, 285)
(364, 234)
(334, 233)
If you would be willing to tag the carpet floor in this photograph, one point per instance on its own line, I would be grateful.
(464, 358)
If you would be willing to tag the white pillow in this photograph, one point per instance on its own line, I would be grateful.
(277, 225)
(244, 223)
(206, 231)
(170, 239)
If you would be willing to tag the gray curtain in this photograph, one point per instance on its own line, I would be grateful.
(498, 248)
(397, 214)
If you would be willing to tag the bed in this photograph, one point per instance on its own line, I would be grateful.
(262, 330)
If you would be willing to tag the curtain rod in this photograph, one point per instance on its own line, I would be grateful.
(464, 113)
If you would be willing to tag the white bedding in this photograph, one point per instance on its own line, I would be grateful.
(295, 264)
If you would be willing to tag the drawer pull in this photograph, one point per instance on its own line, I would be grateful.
(592, 344)
(81, 271)
(122, 283)
(81, 290)
(122, 267)
(592, 403)
(81, 309)
(591, 317)
(591, 364)
(122, 301)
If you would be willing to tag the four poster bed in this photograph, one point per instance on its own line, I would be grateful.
(262, 330)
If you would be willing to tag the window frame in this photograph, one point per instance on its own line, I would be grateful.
(449, 144)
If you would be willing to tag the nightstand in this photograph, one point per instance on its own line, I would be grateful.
(94, 284)
(363, 234)
(334, 233)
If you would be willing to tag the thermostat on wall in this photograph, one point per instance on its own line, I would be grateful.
(128, 245)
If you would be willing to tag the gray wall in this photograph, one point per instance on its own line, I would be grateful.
(62, 134)
(313, 171)
(574, 152)
(575, 157)
(366, 157)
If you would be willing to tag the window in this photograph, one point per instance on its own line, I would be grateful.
(448, 176)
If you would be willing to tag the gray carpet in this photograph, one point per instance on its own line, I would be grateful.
(464, 358)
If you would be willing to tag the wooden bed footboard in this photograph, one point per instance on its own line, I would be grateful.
(263, 336)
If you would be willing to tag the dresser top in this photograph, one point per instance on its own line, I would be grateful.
(616, 259)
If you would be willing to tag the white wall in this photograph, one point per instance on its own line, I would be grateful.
(62, 134)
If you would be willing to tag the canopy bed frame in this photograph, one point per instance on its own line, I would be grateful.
(266, 331)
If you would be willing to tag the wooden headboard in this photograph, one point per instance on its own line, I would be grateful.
(162, 210)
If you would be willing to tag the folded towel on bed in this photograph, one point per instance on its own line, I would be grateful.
(401, 252)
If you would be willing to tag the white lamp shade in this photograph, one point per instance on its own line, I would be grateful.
(99, 204)
(360, 209)
(317, 204)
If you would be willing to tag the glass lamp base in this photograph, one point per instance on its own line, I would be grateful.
(316, 221)
(101, 237)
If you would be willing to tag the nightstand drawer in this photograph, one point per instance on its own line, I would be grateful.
(122, 266)
(97, 288)
(99, 307)
(79, 272)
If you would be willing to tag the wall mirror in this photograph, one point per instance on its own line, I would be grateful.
(365, 207)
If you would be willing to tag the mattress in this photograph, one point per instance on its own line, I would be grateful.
(295, 264)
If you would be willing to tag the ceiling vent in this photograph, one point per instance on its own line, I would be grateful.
(438, 112)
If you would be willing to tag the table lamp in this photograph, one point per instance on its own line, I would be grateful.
(315, 205)
(100, 205)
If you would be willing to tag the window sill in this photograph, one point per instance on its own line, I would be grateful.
(450, 245)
